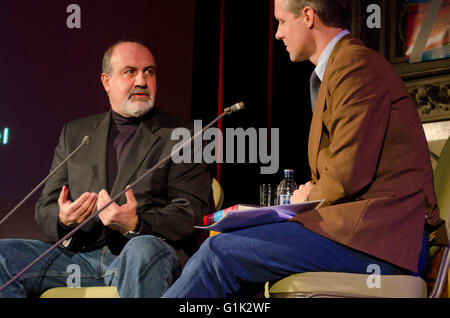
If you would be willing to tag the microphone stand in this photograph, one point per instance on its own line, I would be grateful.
(85, 141)
(227, 111)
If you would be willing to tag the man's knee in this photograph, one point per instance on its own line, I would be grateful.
(8, 244)
(148, 246)
(221, 245)
(21, 247)
(214, 251)
(148, 258)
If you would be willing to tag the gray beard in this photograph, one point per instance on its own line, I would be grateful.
(138, 108)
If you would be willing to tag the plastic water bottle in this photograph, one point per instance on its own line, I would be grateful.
(286, 187)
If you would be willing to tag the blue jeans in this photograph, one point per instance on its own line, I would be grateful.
(239, 263)
(146, 267)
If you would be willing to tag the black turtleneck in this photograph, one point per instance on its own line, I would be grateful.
(121, 133)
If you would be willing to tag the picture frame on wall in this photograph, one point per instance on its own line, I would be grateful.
(432, 100)
(391, 38)
(428, 27)
(431, 96)
(397, 12)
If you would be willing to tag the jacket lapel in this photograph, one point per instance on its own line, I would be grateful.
(98, 150)
(316, 128)
(141, 144)
(315, 132)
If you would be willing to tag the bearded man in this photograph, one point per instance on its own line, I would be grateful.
(140, 242)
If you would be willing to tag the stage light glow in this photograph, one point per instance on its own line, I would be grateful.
(4, 137)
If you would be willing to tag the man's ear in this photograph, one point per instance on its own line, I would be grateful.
(308, 16)
(105, 81)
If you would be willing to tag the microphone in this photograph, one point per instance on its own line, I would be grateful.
(234, 108)
(85, 141)
(227, 111)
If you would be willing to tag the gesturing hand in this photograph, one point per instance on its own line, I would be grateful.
(74, 213)
(119, 218)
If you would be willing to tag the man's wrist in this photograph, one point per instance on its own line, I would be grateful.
(136, 231)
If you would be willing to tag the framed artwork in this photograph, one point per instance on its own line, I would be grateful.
(431, 96)
(404, 25)
(428, 27)
(391, 38)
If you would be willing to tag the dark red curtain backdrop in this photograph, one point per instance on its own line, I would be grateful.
(235, 44)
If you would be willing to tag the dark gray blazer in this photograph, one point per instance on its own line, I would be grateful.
(171, 200)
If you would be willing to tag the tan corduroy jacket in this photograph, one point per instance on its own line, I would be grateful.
(369, 159)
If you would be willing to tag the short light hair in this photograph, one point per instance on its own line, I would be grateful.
(106, 62)
(332, 13)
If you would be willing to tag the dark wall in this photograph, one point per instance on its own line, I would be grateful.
(50, 74)
(246, 68)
